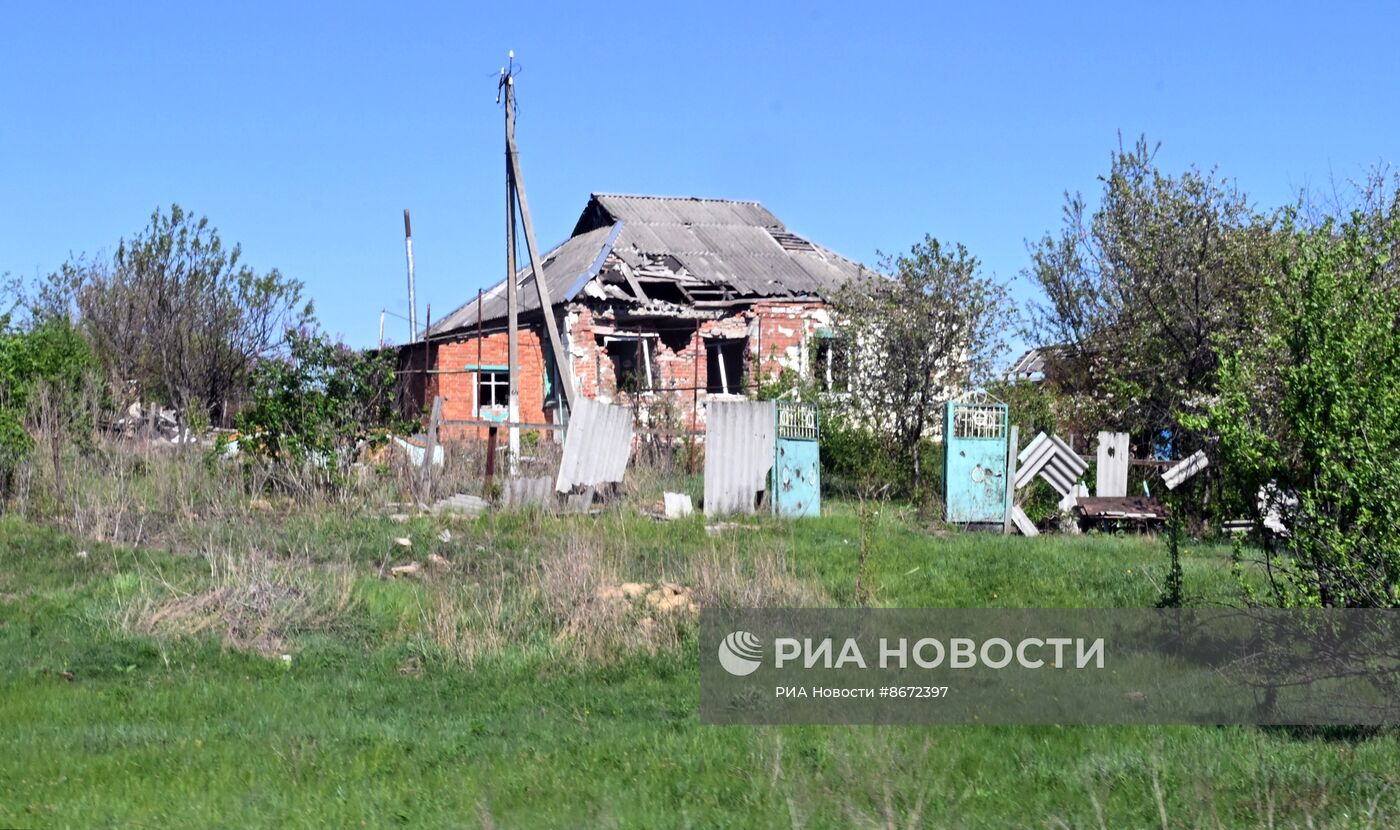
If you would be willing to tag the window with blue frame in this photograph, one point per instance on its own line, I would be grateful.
(553, 389)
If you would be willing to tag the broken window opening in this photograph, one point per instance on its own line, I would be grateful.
(553, 385)
(790, 241)
(634, 363)
(833, 366)
(724, 366)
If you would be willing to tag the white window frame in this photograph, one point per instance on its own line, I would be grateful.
(500, 388)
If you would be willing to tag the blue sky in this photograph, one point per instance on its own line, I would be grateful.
(304, 129)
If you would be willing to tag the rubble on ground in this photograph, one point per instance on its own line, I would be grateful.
(461, 503)
(677, 505)
(152, 421)
(525, 492)
(665, 598)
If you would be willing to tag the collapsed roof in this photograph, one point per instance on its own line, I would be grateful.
(663, 253)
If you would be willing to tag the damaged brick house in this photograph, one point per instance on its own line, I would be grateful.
(662, 302)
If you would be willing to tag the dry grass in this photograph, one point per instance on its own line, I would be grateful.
(726, 577)
(138, 492)
(245, 520)
(863, 794)
(252, 601)
(566, 601)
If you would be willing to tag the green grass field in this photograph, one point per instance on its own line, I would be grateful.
(149, 687)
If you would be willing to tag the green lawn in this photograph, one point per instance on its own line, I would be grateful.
(389, 715)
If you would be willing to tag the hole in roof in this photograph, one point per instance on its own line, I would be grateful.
(790, 241)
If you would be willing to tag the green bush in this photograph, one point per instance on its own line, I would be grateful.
(48, 361)
(1310, 412)
(319, 403)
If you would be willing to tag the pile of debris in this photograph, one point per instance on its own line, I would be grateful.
(461, 503)
(150, 421)
(1050, 458)
(1097, 510)
(665, 598)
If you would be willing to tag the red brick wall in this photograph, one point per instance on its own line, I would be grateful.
(787, 332)
(784, 331)
(459, 386)
(583, 351)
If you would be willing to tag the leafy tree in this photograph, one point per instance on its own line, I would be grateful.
(926, 333)
(1144, 291)
(178, 315)
(319, 402)
(1309, 414)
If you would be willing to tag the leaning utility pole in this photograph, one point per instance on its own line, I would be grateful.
(516, 188)
(512, 300)
(412, 300)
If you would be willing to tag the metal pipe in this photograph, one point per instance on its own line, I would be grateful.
(698, 344)
(412, 298)
(476, 395)
(490, 460)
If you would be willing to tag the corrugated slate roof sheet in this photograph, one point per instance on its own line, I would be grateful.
(680, 210)
(1185, 469)
(717, 241)
(1052, 458)
(564, 265)
(720, 241)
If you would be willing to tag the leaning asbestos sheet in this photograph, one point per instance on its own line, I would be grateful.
(1023, 522)
(738, 454)
(1048, 456)
(1185, 469)
(596, 445)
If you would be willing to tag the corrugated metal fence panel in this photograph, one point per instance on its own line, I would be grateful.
(597, 445)
(738, 454)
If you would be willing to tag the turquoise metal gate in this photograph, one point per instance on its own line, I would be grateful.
(797, 483)
(974, 462)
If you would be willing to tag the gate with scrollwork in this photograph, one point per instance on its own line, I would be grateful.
(974, 461)
(797, 482)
